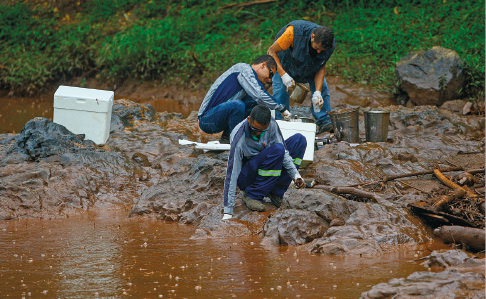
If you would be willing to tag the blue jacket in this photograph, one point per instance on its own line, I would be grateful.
(243, 148)
(296, 60)
(234, 84)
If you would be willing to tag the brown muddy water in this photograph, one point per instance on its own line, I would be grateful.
(105, 254)
(15, 112)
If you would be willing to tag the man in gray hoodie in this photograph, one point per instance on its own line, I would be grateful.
(233, 95)
(261, 163)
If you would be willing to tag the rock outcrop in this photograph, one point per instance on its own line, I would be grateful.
(431, 77)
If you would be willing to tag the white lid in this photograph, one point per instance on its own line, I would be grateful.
(84, 93)
(83, 99)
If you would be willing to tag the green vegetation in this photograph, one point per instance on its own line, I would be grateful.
(181, 40)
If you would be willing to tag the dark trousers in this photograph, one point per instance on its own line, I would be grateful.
(225, 116)
(264, 173)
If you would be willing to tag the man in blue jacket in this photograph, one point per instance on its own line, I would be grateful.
(233, 95)
(301, 50)
(261, 163)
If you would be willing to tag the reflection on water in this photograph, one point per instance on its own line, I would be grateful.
(105, 254)
(17, 111)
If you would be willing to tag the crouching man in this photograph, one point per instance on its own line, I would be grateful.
(261, 163)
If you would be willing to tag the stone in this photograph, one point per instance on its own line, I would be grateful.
(431, 77)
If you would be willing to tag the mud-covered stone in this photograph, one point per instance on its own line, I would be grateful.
(431, 77)
(447, 284)
(41, 138)
(125, 112)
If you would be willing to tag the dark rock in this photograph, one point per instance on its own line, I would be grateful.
(431, 77)
(447, 284)
(293, 227)
(41, 138)
(125, 112)
(447, 259)
(141, 159)
(454, 106)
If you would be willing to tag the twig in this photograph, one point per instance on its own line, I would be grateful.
(447, 199)
(451, 184)
(353, 191)
(402, 182)
(467, 153)
(398, 176)
(248, 3)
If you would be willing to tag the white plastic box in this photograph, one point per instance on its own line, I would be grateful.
(84, 111)
(307, 129)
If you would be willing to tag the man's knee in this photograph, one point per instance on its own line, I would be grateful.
(238, 107)
(301, 140)
(278, 149)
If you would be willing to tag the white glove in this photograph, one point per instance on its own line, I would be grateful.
(227, 216)
(286, 115)
(288, 81)
(299, 181)
(317, 101)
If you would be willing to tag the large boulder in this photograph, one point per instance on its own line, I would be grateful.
(431, 77)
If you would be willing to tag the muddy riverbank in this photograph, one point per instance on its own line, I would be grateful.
(46, 172)
(105, 254)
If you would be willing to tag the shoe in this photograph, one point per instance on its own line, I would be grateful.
(225, 139)
(325, 128)
(253, 204)
(276, 200)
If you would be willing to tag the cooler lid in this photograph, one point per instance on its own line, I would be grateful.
(85, 99)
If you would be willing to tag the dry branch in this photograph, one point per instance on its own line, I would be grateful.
(451, 184)
(393, 177)
(472, 238)
(353, 191)
(248, 3)
(456, 194)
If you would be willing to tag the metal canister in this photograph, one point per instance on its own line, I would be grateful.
(300, 93)
(376, 125)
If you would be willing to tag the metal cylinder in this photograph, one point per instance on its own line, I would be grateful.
(346, 124)
(376, 125)
(300, 93)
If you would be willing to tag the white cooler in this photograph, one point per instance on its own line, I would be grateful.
(84, 111)
(307, 129)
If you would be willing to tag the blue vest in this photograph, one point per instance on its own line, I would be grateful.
(296, 60)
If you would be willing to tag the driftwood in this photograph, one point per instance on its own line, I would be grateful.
(428, 212)
(353, 191)
(471, 238)
(449, 198)
(404, 175)
(451, 184)
(248, 3)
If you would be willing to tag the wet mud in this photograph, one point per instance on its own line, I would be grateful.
(49, 173)
(105, 254)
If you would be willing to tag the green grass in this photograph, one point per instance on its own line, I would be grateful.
(181, 40)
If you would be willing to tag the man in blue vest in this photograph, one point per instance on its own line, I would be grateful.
(233, 95)
(261, 163)
(301, 50)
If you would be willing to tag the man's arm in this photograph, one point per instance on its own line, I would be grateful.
(272, 51)
(254, 89)
(319, 78)
(285, 41)
(232, 172)
(317, 98)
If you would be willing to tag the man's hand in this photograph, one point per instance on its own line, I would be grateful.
(317, 101)
(227, 216)
(288, 81)
(286, 115)
(299, 181)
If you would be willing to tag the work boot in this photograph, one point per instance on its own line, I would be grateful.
(225, 139)
(276, 200)
(325, 128)
(253, 204)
